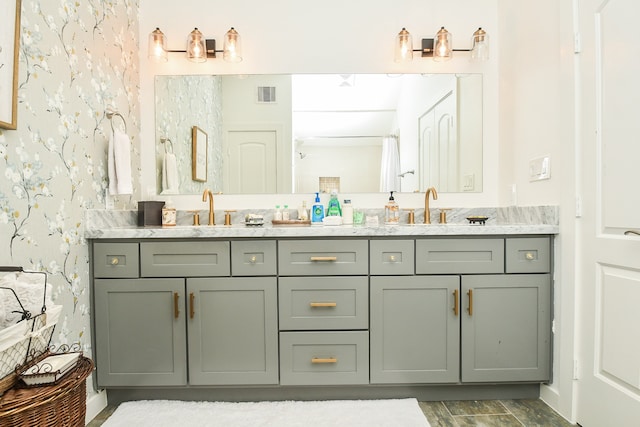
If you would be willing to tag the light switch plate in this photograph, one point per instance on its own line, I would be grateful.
(540, 168)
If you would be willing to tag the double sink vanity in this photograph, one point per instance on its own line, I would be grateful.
(239, 313)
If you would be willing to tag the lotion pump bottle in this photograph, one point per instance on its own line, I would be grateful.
(391, 211)
(347, 212)
(317, 211)
(303, 214)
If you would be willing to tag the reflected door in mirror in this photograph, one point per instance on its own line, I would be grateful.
(251, 165)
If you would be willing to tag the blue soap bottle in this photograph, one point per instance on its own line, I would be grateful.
(317, 211)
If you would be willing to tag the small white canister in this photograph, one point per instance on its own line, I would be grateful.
(169, 215)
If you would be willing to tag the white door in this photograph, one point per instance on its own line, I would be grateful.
(608, 282)
(250, 163)
(438, 146)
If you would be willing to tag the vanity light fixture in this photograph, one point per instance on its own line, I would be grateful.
(158, 46)
(198, 47)
(440, 48)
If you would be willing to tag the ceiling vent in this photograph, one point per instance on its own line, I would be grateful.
(266, 94)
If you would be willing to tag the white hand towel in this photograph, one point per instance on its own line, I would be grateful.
(111, 163)
(169, 174)
(119, 163)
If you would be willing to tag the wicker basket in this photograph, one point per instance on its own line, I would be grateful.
(61, 405)
(24, 342)
(28, 339)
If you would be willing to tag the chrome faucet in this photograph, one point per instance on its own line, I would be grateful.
(427, 211)
(212, 218)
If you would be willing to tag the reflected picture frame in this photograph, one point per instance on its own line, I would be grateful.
(199, 154)
(9, 49)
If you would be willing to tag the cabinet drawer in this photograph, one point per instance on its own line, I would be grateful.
(313, 303)
(119, 260)
(391, 257)
(459, 256)
(323, 257)
(184, 259)
(324, 358)
(528, 255)
(253, 258)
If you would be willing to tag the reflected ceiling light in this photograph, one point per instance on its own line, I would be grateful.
(198, 47)
(440, 48)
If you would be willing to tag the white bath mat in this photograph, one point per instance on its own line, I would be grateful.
(334, 413)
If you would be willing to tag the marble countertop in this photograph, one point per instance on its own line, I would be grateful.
(221, 231)
(113, 224)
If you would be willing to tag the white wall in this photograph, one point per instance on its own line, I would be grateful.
(536, 119)
(289, 36)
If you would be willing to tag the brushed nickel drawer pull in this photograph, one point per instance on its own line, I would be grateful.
(176, 309)
(323, 304)
(324, 258)
(324, 360)
(115, 260)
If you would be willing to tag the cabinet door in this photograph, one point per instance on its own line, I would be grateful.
(233, 330)
(415, 329)
(506, 329)
(140, 332)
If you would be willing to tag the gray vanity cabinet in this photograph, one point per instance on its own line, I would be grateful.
(506, 330)
(184, 313)
(324, 312)
(415, 329)
(233, 330)
(462, 317)
(140, 332)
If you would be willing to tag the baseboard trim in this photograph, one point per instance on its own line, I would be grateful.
(420, 392)
(95, 404)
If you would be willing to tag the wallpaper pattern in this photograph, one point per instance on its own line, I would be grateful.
(76, 59)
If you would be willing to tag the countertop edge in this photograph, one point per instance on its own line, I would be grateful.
(241, 231)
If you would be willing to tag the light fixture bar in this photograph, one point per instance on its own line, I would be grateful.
(198, 49)
(479, 51)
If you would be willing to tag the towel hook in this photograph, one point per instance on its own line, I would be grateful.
(166, 140)
(110, 113)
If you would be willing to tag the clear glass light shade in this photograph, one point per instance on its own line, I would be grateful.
(480, 45)
(442, 50)
(157, 46)
(232, 47)
(403, 48)
(196, 51)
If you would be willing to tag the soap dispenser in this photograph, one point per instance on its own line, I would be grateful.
(303, 214)
(317, 211)
(333, 208)
(391, 211)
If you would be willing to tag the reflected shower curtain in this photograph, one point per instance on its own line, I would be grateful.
(390, 167)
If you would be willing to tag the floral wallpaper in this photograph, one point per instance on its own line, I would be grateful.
(183, 102)
(76, 59)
